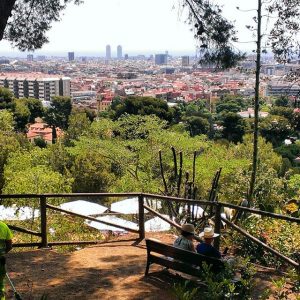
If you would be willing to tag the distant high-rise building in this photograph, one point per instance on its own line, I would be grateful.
(119, 52)
(43, 88)
(126, 56)
(41, 57)
(71, 56)
(108, 52)
(4, 61)
(30, 57)
(185, 61)
(160, 59)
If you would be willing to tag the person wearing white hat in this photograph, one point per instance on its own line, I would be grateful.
(185, 240)
(206, 248)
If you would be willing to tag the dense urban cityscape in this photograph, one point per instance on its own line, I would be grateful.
(95, 82)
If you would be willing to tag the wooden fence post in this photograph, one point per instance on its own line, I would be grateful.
(217, 225)
(43, 211)
(141, 217)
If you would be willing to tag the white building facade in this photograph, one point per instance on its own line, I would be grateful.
(42, 88)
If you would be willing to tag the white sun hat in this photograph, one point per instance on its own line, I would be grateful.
(208, 233)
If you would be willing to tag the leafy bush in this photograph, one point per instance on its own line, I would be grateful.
(182, 291)
(280, 235)
(287, 287)
(219, 286)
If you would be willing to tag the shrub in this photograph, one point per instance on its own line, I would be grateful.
(280, 235)
(221, 285)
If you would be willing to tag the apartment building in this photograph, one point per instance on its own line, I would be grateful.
(36, 87)
(282, 89)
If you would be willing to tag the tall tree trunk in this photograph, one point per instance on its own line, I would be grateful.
(6, 7)
(256, 103)
(54, 134)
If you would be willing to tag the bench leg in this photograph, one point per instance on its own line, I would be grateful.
(147, 268)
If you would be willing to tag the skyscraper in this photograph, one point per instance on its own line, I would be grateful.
(119, 52)
(160, 59)
(30, 57)
(185, 60)
(71, 56)
(108, 52)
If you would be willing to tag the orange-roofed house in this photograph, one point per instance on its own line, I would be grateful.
(43, 131)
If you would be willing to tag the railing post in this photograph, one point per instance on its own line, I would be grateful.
(43, 211)
(217, 225)
(141, 217)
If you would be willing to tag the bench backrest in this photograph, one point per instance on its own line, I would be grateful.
(185, 256)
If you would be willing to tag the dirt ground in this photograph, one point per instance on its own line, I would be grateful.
(112, 270)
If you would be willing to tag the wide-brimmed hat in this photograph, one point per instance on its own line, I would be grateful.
(188, 228)
(208, 233)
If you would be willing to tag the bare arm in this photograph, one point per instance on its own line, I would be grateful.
(193, 247)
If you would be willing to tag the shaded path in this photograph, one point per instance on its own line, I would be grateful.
(114, 270)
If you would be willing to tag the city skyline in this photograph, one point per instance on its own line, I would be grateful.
(139, 27)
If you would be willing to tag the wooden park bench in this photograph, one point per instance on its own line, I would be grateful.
(180, 260)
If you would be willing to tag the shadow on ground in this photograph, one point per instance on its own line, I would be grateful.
(112, 270)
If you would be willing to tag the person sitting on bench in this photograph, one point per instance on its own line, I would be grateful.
(185, 240)
(206, 248)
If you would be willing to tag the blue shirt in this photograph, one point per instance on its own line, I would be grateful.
(208, 250)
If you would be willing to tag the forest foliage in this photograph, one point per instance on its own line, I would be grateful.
(121, 154)
(118, 151)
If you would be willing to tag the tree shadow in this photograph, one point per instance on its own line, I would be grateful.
(35, 273)
(112, 270)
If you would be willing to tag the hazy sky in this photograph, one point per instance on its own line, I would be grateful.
(138, 25)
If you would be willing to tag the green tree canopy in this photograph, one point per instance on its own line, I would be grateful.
(21, 114)
(25, 22)
(38, 179)
(6, 120)
(79, 124)
(275, 129)
(30, 171)
(197, 125)
(9, 144)
(282, 101)
(59, 112)
(138, 127)
(6, 98)
(234, 127)
(135, 105)
(286, 112)
(289, 151)
(91, 166)
(228, 107)
(35, 107)
(232, 103)
(196, 108)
